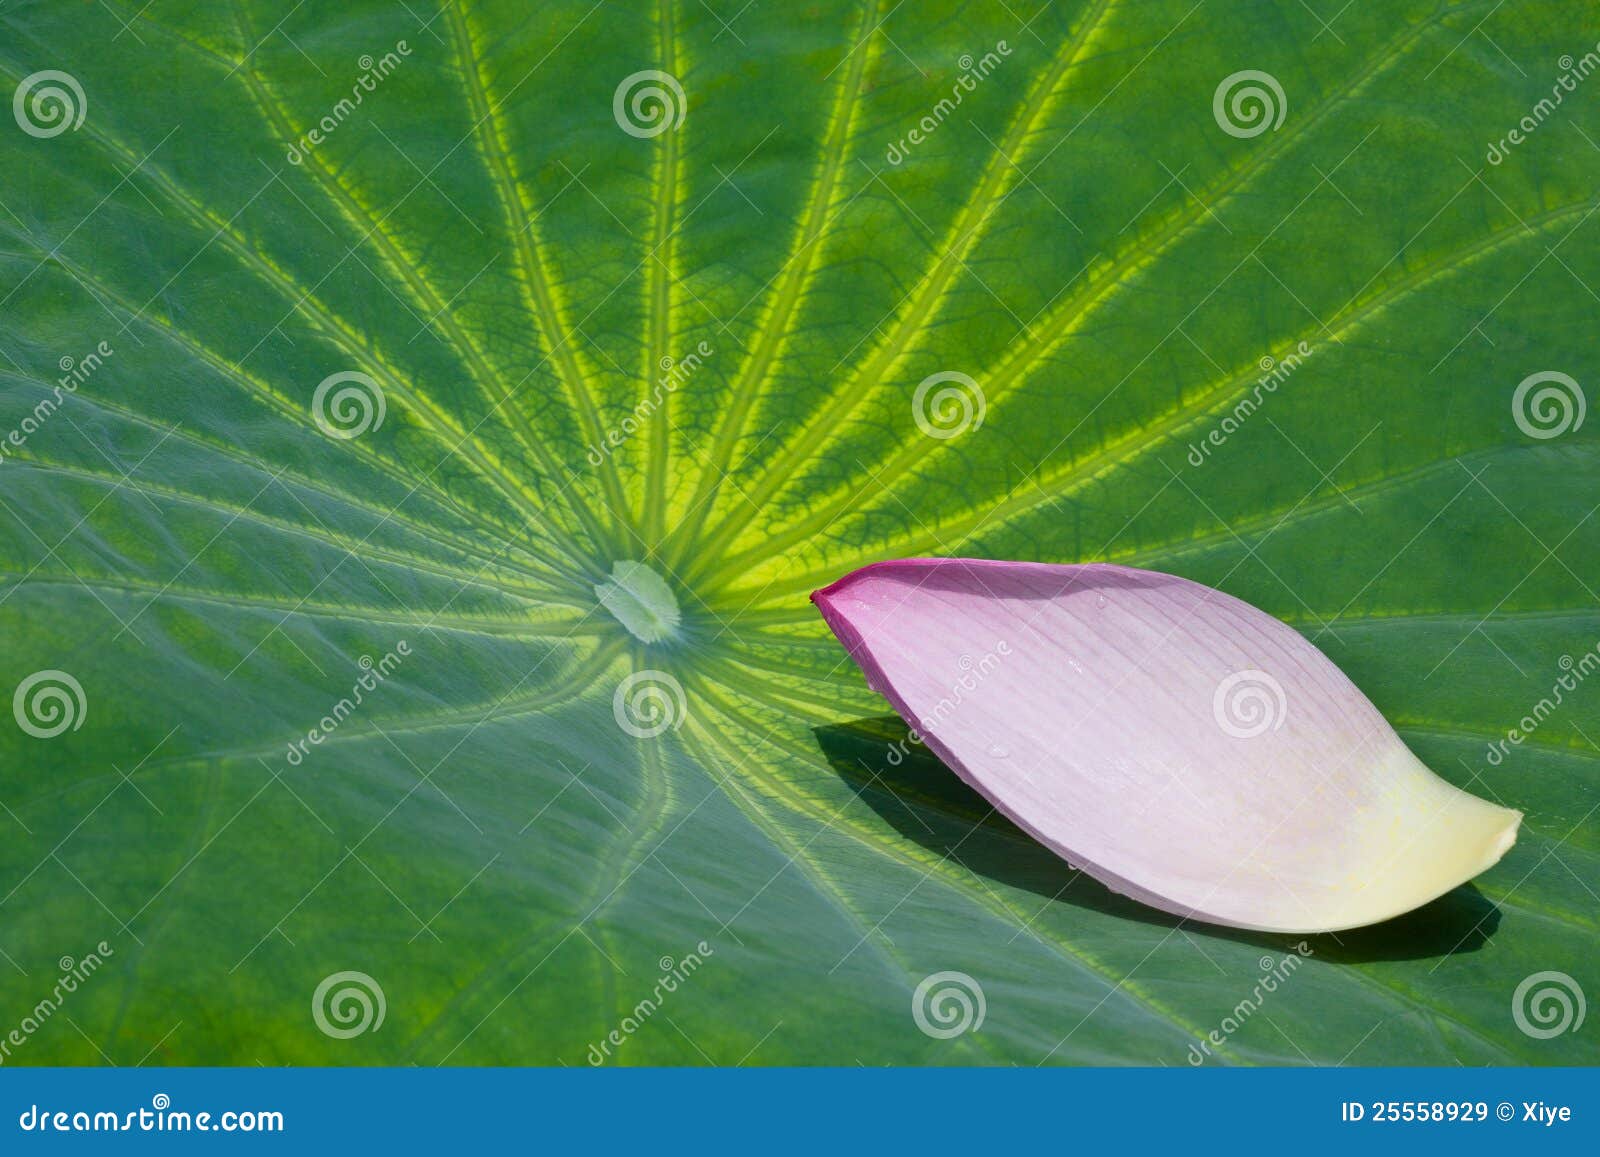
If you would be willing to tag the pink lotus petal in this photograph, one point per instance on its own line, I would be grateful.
(1175, 743)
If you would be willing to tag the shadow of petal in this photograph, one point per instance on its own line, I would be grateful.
(922, 799)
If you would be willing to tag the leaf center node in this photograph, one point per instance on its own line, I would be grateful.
(640, 600)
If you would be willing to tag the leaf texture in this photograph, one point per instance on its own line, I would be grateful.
(700, 350)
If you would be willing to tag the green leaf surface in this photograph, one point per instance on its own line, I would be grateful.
(646, 383)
